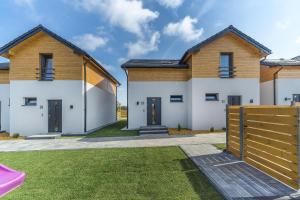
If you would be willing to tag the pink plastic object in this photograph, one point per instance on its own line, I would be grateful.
(10, 179)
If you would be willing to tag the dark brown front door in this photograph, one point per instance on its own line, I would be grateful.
(54, 116)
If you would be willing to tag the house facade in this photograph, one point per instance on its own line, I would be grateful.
(52, 86)
(193, 91)
(280, 81)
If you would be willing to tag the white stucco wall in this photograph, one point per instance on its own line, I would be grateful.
(285, 88)
(172, 114)
(266, 93)
(207, 114)
(101, 107)
(4, 99)
(29, 120)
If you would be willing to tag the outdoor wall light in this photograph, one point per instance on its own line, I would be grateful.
(137, 103)
(287, 99)
(71, 106)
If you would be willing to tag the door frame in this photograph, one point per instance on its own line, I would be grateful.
(234, 96)
(60, 128)
(157, 113)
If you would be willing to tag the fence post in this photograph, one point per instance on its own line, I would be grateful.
(227, 126)
(241, 133)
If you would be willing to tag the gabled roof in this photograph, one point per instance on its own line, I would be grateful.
(229, 29)
(41, 28)
(149, 63)
(4, 65)
(280, 62)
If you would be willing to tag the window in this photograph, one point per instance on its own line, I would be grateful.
(30, 101)
(296, 97)
(176, 98)
(46, 67)
(235, 100)
(212, 97)
(226, 65)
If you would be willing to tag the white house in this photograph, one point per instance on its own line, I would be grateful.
(52, 86)
(280, 81)
(194, 90)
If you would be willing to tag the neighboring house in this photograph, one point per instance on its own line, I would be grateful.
(53, 86)
(194, 91)
(280, 81)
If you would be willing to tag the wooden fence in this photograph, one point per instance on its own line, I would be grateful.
(122, 113)
(266, 137)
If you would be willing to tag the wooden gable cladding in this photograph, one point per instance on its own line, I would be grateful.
(267, 73)
(4, 76)
(97, 78)
(25, 59)
(157, 74)
(246, 58)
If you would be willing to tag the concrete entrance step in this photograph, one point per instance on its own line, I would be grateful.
(153, 130)
(41, 137)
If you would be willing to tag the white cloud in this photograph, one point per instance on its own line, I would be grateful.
(128, 14)
(89, 41)
(142, 47)
(170, 3)
(283, 24)
(298, 40)
(29, 3)
(184, 29)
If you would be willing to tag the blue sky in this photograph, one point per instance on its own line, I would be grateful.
(113, 31)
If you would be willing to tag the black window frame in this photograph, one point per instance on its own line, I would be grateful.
(212, 94)
(28, 103)
(298, 97)
(173, 98)
(226, 71)
(46, 74)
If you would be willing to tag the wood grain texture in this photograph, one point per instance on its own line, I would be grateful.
(4, 77)
(96, 77)
(270, 140)
(267, 73)
(154, 74)
(25, 59)
(246, 58)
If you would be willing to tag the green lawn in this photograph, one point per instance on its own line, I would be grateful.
(132, 173)
(113, 130)
(221, 146)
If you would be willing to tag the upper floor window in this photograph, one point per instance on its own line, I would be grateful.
(47, 72)
(226, 65)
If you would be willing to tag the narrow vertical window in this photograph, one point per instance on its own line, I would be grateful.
(46, 67)
(226, 65)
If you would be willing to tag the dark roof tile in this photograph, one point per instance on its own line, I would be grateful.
(153, 63)
(231, 29)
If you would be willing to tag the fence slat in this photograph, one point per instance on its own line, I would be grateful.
(268, 137)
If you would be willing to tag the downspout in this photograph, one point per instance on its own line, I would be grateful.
(84, 97)
(116, 103)
(274, 85)
(127, 98)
